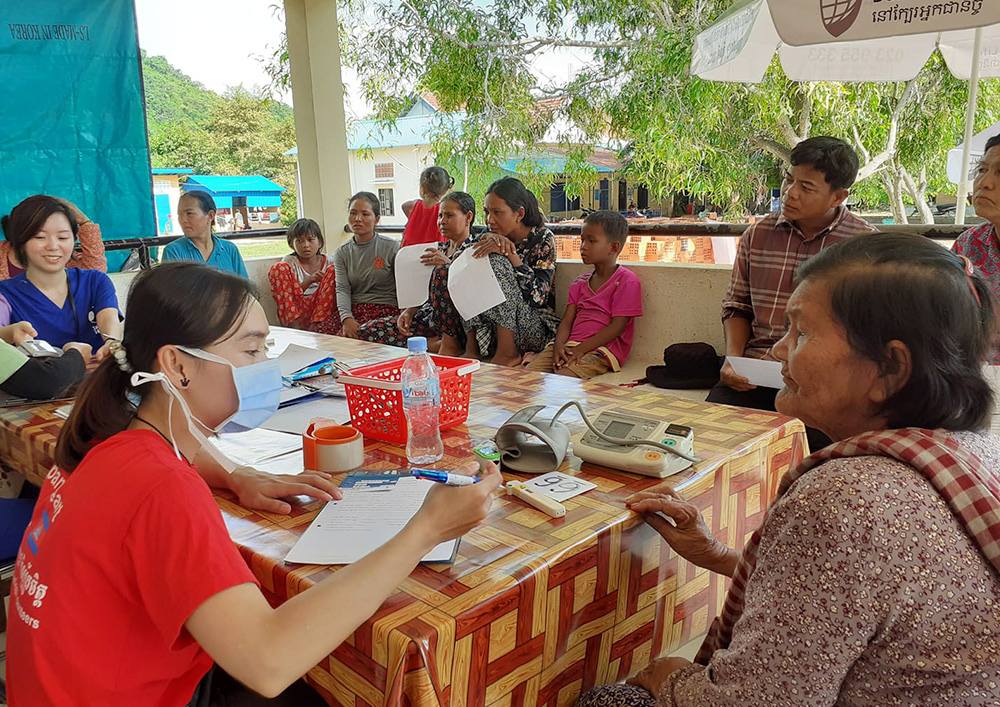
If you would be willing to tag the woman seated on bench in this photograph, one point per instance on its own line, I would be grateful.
(522, 252)
(457, 211)
(366, 279)
(874, 577)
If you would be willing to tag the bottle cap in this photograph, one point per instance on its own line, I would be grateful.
(417, 344)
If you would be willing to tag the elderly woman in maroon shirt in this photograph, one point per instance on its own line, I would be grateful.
(980, 244)
(873, 579)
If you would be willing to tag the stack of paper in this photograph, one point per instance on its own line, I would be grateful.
(300, 405)
(264, 450)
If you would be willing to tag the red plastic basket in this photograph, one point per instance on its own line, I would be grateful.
(375, 396)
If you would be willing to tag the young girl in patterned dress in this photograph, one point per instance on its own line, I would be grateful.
(522, 252)
(303, 282)
(455, 216)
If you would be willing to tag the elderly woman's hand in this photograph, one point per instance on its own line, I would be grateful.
(656, 673)
(685, 531)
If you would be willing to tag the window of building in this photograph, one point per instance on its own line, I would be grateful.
(385, 198)
(386, 170)
(559, 201)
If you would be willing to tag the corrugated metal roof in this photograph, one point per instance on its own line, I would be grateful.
(553, 161)
(409, 131)
(240, 183)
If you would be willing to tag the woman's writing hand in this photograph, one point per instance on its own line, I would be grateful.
(685, 531)
(450, 511)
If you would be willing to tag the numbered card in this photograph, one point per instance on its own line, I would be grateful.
(559, 486)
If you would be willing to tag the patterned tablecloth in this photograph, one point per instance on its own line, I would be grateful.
(535, 609)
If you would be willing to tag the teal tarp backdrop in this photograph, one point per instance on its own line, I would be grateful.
(72, 121)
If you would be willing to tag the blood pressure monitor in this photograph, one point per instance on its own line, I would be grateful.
(639, 459)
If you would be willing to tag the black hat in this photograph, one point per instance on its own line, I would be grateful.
(687, 366)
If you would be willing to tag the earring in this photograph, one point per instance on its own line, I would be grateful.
(185, 382)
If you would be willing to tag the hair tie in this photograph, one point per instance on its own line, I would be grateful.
(969, 272)
(117, 350)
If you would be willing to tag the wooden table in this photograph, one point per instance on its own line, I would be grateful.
(535, 609)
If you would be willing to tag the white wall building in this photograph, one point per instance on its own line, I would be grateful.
(388, 161)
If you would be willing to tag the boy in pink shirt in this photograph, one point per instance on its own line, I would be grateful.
(596, 331)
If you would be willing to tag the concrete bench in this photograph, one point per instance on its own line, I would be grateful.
(681, 302)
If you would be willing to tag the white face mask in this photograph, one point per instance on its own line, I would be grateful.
(141, 378)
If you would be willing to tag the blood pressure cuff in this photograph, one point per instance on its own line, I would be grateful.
(532, 446)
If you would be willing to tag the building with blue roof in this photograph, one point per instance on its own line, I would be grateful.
(388, 160)
(256, 198)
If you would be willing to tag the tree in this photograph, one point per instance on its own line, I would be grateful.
(726, 142)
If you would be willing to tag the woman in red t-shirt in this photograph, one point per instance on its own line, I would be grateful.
(422, 213)
(127, 585)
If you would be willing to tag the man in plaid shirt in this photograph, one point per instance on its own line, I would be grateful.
(812, 217)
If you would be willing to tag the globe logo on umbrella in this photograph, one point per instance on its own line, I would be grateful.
(839, 15)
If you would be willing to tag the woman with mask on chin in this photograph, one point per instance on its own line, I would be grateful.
(127, 543)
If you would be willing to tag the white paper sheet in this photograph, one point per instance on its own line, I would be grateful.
(364, 520)
(295, 418)
(766, 374)
(252, 447)
(412, 276)
(473, 285)
(290, 463)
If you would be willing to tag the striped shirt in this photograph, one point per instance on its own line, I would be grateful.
(763, 275)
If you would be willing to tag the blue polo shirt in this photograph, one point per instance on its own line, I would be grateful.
(92, 291)
(225, 255)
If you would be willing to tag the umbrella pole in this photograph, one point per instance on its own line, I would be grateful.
(970, 124)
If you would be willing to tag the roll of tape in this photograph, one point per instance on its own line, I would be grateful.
(332, 448)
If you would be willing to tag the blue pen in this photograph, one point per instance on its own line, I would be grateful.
(443, 477)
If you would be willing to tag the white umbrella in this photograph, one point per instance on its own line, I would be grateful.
(837, 40)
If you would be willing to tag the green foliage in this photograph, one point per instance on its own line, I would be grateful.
(173, 97)
(727, 142)
(240, 132)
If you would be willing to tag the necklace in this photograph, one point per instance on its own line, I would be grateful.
(155, 429)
